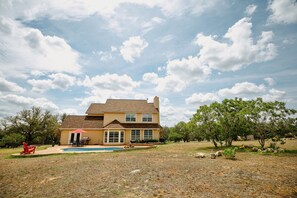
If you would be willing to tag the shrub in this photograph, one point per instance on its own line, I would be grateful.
(175, 137)
(230, 153)
(12, 140)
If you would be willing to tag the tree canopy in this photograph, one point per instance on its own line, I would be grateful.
(33, 126)
(221, 123)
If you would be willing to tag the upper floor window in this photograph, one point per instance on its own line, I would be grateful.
(130, 117)
(147, 117)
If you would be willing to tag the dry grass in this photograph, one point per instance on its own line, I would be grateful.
(167, 171)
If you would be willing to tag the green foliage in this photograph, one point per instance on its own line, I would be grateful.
(146, 141)
(12, 140)
(221, 123)
(174, 136)
(230, 153)
(165, 131)
(36, 125)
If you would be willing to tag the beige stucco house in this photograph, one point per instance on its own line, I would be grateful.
(116, 122)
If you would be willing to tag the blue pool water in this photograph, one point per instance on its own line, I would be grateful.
(90, 149)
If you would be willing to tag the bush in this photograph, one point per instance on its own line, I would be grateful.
(230, 153)
(144, 141)
(175, 137)
(12, 140)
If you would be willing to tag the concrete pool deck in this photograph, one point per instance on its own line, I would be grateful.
(59, 150)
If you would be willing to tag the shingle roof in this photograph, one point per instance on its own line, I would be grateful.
(117, 125)
(114, 125)
(84, 122)
(122, 106)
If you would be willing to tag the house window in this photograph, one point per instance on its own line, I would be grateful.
(130, 117)
(114, 137)
(148, 134)
(135, 135)
(147, 117)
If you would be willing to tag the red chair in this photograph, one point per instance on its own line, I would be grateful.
(28, 149)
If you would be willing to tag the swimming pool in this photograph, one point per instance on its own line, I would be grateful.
(78, 149)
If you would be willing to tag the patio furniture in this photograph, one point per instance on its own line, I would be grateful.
(85, 140)
(28, 149)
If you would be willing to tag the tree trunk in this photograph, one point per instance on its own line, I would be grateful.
(229, 141)
(215, 143)
(262, 142)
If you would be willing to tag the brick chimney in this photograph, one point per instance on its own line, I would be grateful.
(156, 102)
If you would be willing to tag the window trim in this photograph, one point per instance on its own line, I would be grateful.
(149, 114)
(134, 135)
(148, 130)
(106, 138)
(135, 116)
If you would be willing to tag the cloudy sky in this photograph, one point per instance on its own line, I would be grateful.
(63, 55)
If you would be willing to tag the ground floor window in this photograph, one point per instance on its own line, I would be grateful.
(148, 134)
(135, 135)
(113, 137)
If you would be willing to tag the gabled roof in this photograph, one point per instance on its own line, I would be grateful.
(84, 122)
(122, 106)
(114, 125)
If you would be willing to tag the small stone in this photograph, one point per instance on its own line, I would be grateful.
(254, 149)
(212, 156)
(200, 155)
(135, 171)
(281, 150)
(219, 153)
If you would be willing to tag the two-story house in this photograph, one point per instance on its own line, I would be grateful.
(116, 122)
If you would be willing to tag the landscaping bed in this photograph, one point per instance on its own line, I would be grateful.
(168, 171)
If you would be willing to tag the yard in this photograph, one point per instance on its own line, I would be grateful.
(167, 171)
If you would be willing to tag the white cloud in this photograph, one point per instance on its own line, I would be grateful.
(222, 56)
(250, 9)
(166, 38)
(37, 73)
(105, 56)
(172, 114)
(242, 89)
(68, 111)
(180, 72)
(201, 98)
(132, 48)
(150, 77)
(27, 102)
(27, 49)
(107, 86)
(56, 81)
(113, 48)
(274, 95)
(269, 81)
(78, 9)
(7, 86)
(112, 82)
(282, 11)
(148, 26)
(241, 52)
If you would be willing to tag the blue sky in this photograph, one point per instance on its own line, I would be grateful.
(64, 55)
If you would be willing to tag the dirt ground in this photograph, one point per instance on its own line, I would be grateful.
(167, 171)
